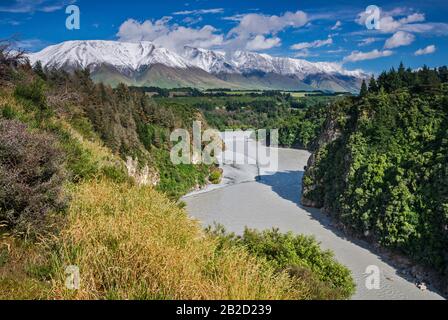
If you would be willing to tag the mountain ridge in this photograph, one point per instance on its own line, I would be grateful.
(130, 63)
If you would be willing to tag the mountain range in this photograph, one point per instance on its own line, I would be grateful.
(145, 64)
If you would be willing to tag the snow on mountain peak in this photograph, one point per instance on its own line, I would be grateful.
(243, 62)
(93, 53)
(132, 56)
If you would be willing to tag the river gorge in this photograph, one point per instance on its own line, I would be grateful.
(257, 199)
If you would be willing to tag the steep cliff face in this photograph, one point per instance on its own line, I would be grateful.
(380, 169)
(313, 188)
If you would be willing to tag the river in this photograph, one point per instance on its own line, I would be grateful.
(261, 200)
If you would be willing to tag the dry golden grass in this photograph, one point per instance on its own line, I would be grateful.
(132, 243)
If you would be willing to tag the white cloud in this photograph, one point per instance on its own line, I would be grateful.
(337, 25)
(132, 30)
(235, 18)
(388, 23)
(399, 39)
(428, 50)
(434, 28)
(367, 41)
(415, 17)
(303, 54)
(405, 19)
(252, 32)
(200, 11)
(361, 56)
(314, 44)
(172, 37)
(255, 24)
(262, 43)
(192, 20)
(179, 37)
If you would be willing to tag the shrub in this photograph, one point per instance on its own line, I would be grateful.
(215, 176)
(315, 270)
(33, 92)
(31, 175)
(8, 112)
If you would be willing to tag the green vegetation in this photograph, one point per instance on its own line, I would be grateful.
(298, 118)
(73, 159)
(381, 166)
(216, 176)
(300, 256)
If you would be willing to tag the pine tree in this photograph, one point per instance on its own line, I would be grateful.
(39, 70)
(401, 70)
(364, 90)
(373, 86)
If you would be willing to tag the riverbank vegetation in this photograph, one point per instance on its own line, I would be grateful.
(298, 118)
(86, 181)
(381, 165)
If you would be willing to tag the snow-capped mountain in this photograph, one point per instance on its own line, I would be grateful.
(145, 64)
(124, 56)
(244, 62)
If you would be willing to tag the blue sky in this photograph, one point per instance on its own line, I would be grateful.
(415, 32)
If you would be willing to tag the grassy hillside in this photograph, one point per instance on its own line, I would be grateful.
(163, 77)
(130, 241)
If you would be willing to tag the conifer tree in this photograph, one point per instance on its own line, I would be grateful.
(364, 90)
(373, 86)
(39, 70)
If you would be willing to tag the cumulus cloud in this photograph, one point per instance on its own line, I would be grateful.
(133, 30)
(256, 24)
(428, 50)
(314, 44)
(252, 32)
(388, 22)
(173, 37)
(399, 39)
(253, 25)
(262, 43)
(361, 56)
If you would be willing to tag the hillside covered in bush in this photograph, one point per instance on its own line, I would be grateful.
(381, 164)
(86, 181)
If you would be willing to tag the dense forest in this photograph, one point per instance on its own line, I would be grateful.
(381, 164)
(86, 181)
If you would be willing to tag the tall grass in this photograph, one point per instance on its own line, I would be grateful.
(130, 242)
